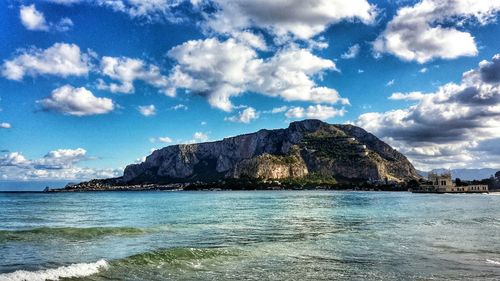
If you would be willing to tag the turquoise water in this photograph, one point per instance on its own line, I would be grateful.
(256, 235)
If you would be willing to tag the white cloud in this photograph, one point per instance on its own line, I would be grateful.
(61, 159)
(299, 18)
(76, 101)
(32, 19)
(147, 110)
(245, 116)
(199, 137)
(352, 52)
(360, 71)
(128, 70)
(221, 70)
(318, 111)
(449, 127)
(161, 139)
(427, 30)
(165, 139)
(14, 159)
(56, 164)
(63, 25)
(423, 70)
(390, 83)
(5, 125)
(407, 96)
(179, 107)
(147, 9)
(277, 109)
(250, 39)
(60, 59)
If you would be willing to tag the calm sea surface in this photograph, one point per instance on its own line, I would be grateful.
(257, 235)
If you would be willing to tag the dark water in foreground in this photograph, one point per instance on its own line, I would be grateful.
(278, 235)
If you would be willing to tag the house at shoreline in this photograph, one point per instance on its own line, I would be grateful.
(442, 183)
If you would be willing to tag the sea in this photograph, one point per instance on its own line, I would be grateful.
(249, 235)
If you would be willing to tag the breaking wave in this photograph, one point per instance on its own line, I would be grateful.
(493, 262)
(69, 271)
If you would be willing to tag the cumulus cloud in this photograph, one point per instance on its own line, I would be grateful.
(56, 164)
(248, 38)
(14, 159)
(76, 101)
(5, 125)
(60, 59)
(147, 110)
(60, 159)
(318, 111)
(245, 116)
(221, 70)
(33, 19)
(126, 71)
(302, 19)
(351, 53)
(448, 126)
(428, 30)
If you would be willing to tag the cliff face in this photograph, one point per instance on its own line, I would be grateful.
(305, 147)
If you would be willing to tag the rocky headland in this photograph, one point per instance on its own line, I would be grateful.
(307, 153)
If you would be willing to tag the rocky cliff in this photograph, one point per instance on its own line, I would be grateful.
(305, 147)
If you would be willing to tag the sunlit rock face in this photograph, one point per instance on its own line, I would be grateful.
(305, 147)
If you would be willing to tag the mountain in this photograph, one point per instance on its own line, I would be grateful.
(309, 148)
(465, 174)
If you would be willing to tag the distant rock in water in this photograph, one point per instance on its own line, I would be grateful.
(305, 148)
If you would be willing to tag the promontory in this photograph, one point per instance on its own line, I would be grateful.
(309, 152)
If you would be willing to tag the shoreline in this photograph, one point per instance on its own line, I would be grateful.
(62, 190)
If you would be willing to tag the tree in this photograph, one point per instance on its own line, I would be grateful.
(458, 182)
(497, 175)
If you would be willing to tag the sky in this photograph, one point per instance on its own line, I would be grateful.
(88, 87)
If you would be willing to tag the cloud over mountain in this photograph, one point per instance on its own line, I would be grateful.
(452, 125)
(220, 70)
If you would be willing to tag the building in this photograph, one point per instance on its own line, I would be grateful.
(442, 183)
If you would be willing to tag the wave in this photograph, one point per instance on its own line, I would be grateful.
(175, 256)
(493, 262)
(69, 271)
(67, 233)
(142, 264)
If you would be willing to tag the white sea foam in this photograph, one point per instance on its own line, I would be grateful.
(73, 270)
(493, 262)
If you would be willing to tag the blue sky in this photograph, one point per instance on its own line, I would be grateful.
(87, 87)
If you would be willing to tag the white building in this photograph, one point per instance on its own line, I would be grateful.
(443, 184)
